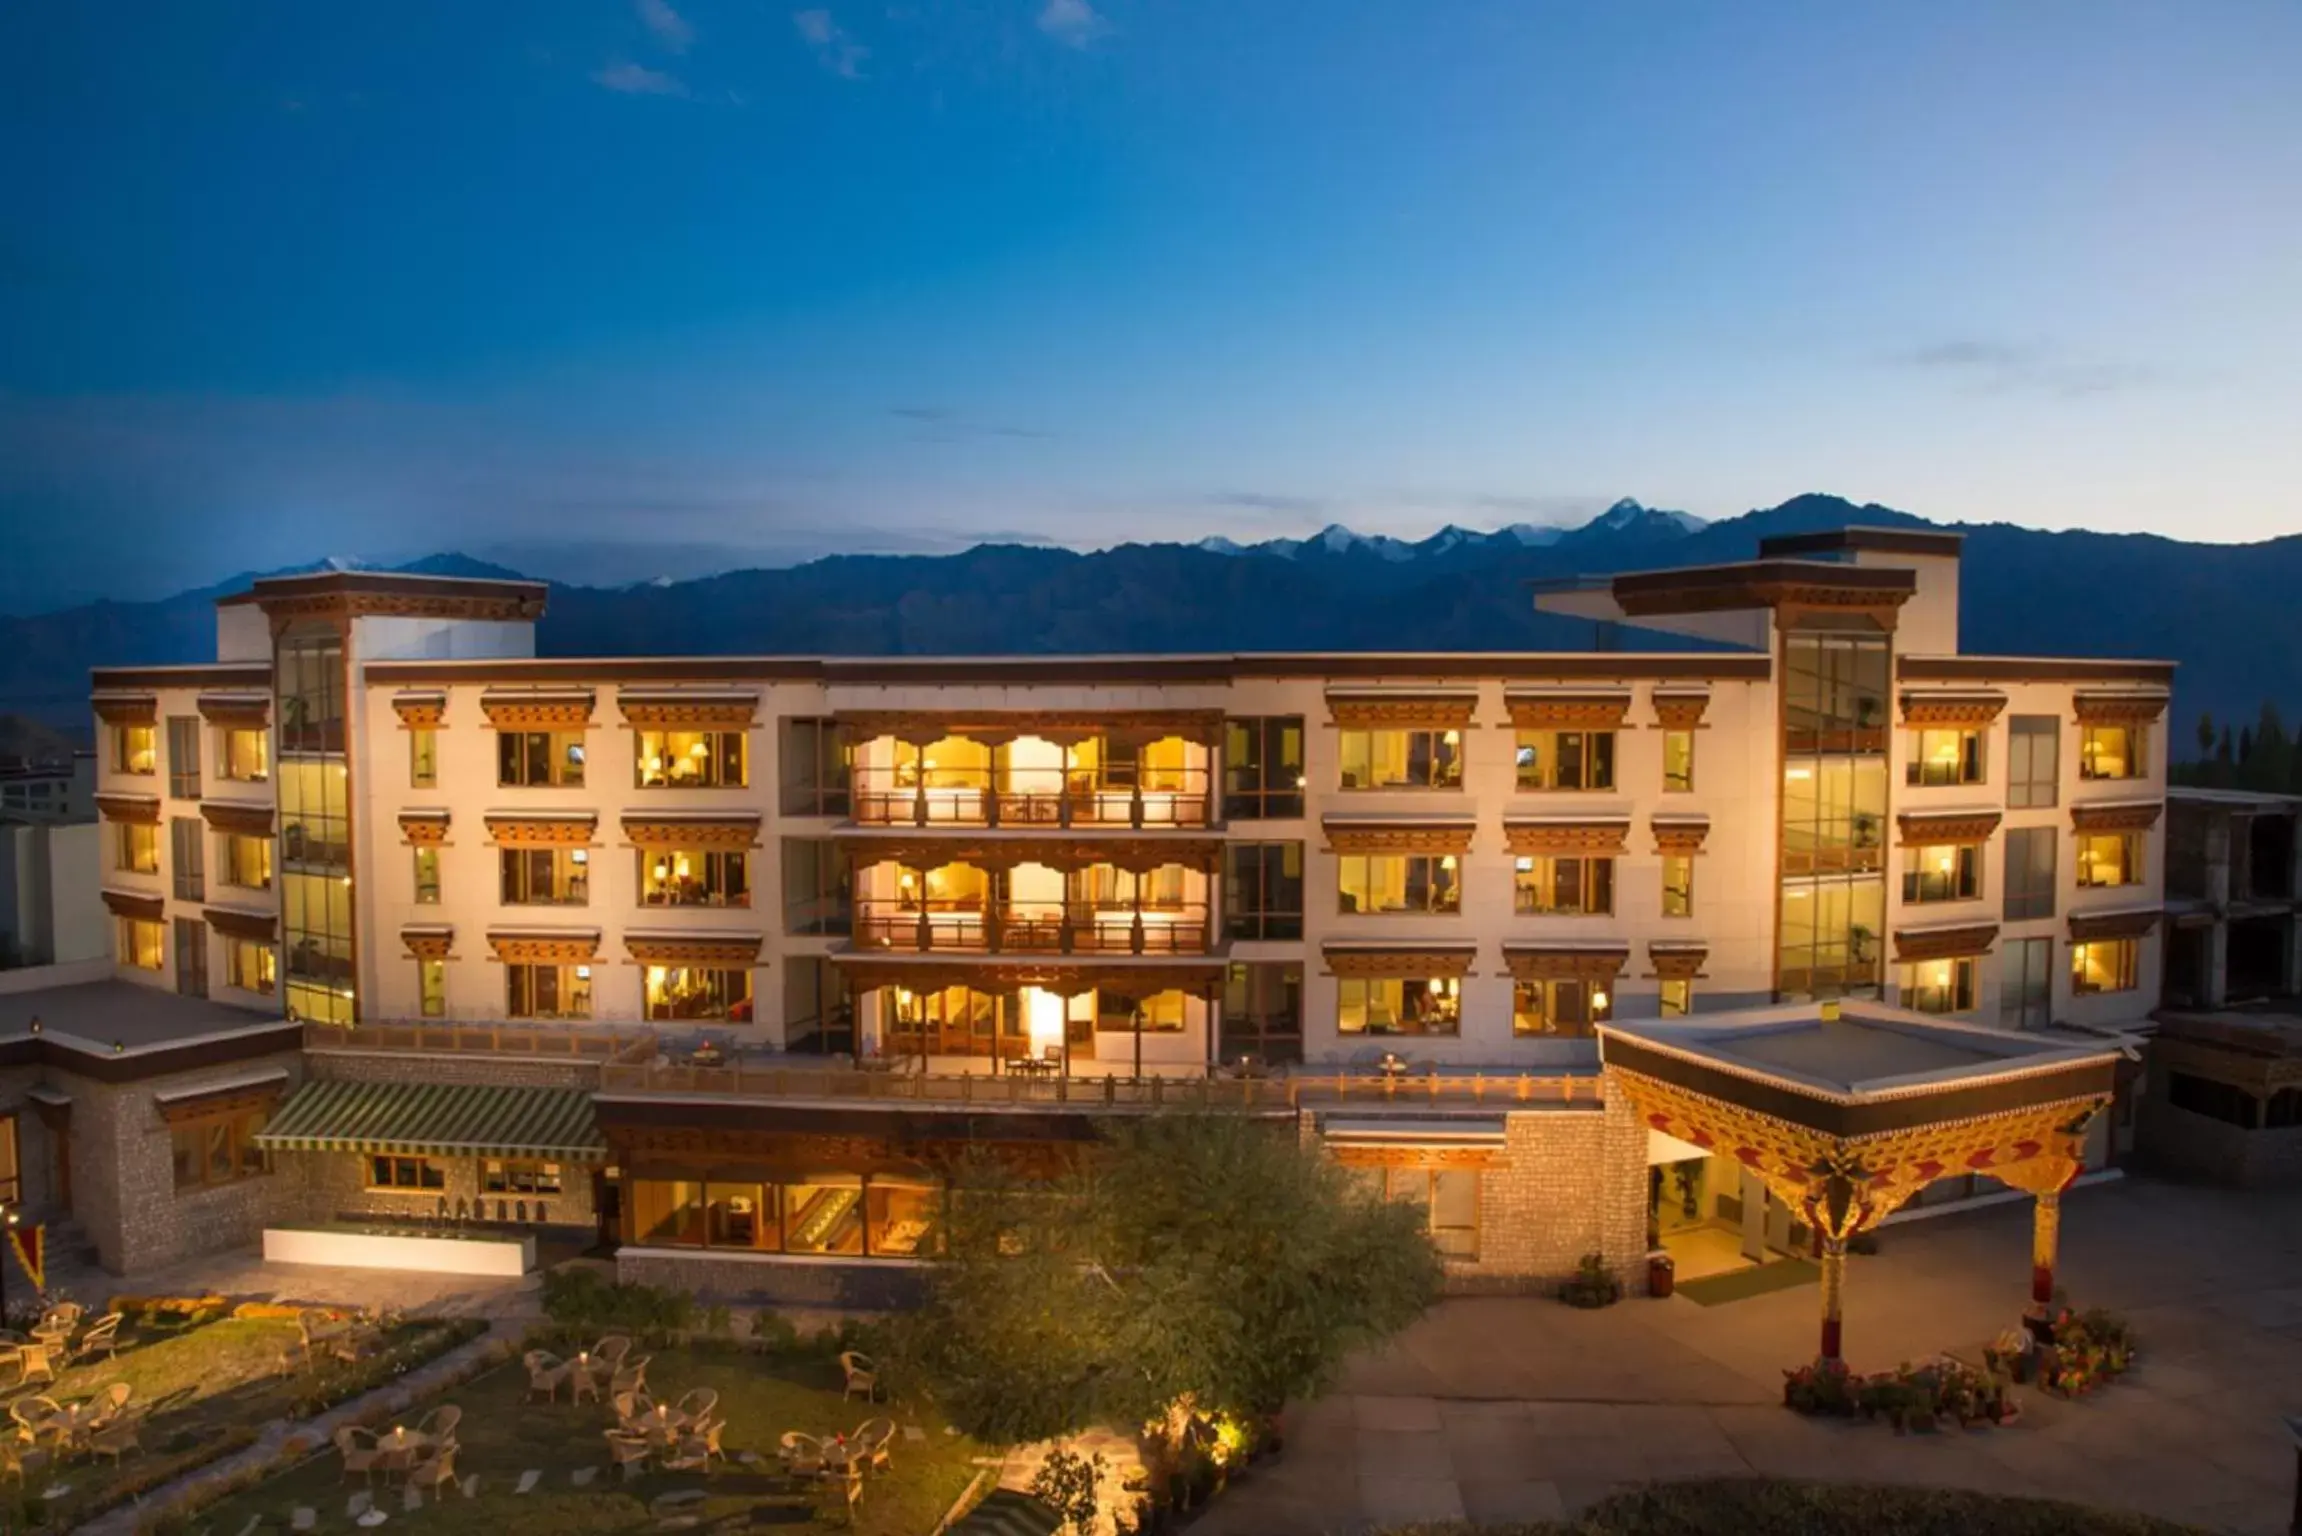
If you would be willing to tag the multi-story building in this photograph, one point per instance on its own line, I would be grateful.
(797, 925)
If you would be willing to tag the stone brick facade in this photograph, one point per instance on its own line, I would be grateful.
(1570, 1182)
(335, 1184)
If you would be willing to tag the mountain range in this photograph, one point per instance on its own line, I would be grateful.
(2221, 611)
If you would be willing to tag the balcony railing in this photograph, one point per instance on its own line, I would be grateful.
(889, 1084)
(1077, 930)
(440, 1037)
(1177, 799)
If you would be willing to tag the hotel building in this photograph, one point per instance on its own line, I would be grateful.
(723, 958)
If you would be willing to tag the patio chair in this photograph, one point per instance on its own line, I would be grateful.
(103, 1334)
(698, 1404)
(611, 1349)
(440, 1424)
(360, 1451)
(802, 1455)
(436, 1472)
(711, 1430)
(33, 1359)
(118, 1437)
(630, 1407)
(631, 1376)
(546, 1373)
(111, 1400)
(692, 1454)
(849, 1494)
(871, 1439)
(862, 1374)
(628, 1452)
(34, 1416)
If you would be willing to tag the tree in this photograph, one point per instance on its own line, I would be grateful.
(1210, 1262)
(2270, 766)
(2205, 735)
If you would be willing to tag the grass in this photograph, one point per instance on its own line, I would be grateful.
(205, 1391)
(1740, 1506)
(503, 1435)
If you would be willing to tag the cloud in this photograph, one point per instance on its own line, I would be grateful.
(2002, 367)
(834, 48)
(939, 423)
(1073, 23)
(638, 80)
(1268, 503)
(671, 29)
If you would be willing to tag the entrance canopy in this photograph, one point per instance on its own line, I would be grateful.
(1856, 1107)
(438, 1120)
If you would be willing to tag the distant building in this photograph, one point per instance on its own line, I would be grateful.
(2233, 876)
(51, 894)
(50, 792)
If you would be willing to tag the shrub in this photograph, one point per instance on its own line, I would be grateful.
(586, 1301)
(1066, 1482)
(1591, 1285)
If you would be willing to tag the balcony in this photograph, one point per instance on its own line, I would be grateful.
(440, 1037)
(880, 798)
(951, 928)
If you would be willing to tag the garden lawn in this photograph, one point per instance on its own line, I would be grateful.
(204, 1391)
(1746, 1506)
(503, 1435)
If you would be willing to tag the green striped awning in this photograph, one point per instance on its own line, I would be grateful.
(438, 1120)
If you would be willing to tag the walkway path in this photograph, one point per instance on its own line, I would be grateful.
(1521, 1409)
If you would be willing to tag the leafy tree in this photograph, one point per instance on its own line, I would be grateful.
(2222, 752)
(1205, 1261)
(2205, 735)
(2271, 766)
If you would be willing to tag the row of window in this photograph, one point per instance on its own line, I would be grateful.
(668, 993)
(243, 860)
(250, 965)
(241, 754)
(1954, 872)
(1955, 754)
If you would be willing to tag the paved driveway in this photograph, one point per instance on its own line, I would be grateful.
(1519, 1409)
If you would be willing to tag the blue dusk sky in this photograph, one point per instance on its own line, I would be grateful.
(610, 289)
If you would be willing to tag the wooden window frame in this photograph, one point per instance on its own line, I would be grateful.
(1596, 754)
(1363, 987)
(2126, 966)
(125, 753)
(425, 1175)
(227, 769)
(1596, 1000)
(714, 742)
(239, 1134)
(564, 758)
(1445, 767)
(1535, 883)
(424, 757)
(1442, 897)
(1679, 742)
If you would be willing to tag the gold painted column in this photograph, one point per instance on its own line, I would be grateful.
(1833, 1293)
(2045, 1241)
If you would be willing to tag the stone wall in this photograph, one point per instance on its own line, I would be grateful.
(36, 1181)
(2178, 1141)
(124, 1191)
(776, 1281)
(1570, 1182)
(336, 1184)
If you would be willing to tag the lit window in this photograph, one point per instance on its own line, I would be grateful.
(698, 877)
(423, 757)
(2105, 965)
(1402, 759)
(1559, 1007)
(244, 754)
(1563, 886)
(432, 989)
(676, 992)
(539, 757)
(135, 749)
(2109, 858)
(1942, 872)
(1678, 997)
(137, 849)
(2110, 751)
(1570, 760)
(690, 759)
(251, 966)
(547, 991)
(1395, 882)
(1678, 762)
(1938, 986)
(139, 943)
(546, 877)
(1397, 1006)
(248, 861)
(1678, 885)
(218, 1149)
(1945, 755)
(427, 861)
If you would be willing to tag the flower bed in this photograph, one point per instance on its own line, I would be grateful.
(2081, 1351)
(1909, 1397)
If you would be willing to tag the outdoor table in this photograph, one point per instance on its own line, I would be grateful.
(399, 1450)
(584, 1373)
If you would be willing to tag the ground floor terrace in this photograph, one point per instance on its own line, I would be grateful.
(1498, 1409)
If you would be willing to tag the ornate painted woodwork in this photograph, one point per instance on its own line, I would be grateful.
(718, 830)
(420, 829)
(1680, 709)
(689, 709)
(420, 711)
(2120, 816)
(1947, 708)
(2121, 708)
(1591, 836)
(1912, 945)
(1392, 961)
(1923, 829)
(1566, 962)
(1679, 834)
(535, 947)
(559, 709)
(567, 829)
(1401, 710)
(720, 949)
(1382, 835)
(1569, 711)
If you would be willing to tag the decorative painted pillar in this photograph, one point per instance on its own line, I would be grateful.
(2045, 1240)
(1833, 1293)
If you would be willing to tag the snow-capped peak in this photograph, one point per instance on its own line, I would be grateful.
(1216, 544)
(1335, 538)
(1532, 536)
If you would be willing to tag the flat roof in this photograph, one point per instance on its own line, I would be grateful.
(2256, 798)
(1868, 1050)
(2277, 1035)
(95, 1016)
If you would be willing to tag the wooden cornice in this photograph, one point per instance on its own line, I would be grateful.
(555, 709)
(1367, 710)
(1593, 836)
(1599, 962)
(1384, 835)
(2090, 928)
(1912, 945)
(126, 708)
(1677, 962)
(1951, 708)
(1568, 711)
(538, 947)
(541, 829)
(722, 949)
(2122, 816)
(2118, 708)
(143, 809)
(695, 709)
(1935, 829)
(429, 941)
(136, 905)
(236, 711)
(1679, 834)
(1405, 959)
(239, 820)
(717, 830)
(421, 829)
(262, 927)
(1680, 709)
(420, 711)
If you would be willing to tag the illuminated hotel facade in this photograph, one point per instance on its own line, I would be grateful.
(793, 928)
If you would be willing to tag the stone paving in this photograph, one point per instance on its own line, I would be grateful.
(1516, 1409)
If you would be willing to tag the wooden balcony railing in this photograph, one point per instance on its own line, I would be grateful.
(566, 1042)
(1177, 800)
(1079, 930)
(1292, 1092)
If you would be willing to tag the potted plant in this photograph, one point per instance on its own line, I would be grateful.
(1591, 1285)
(2010, 1354)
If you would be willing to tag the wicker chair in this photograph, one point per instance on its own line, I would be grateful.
(117, 1437)
(547, 1373)
(862, 1374)
(630, 1376)
(102, 1335)
(697, 1404)
(361, 1453)
(436, 1472)
(871, 1441)
(439, 1426)
(802, 1454)
(629, 1452)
